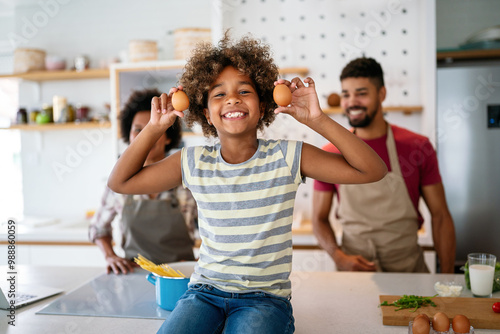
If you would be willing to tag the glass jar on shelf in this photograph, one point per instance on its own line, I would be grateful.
(22, 116)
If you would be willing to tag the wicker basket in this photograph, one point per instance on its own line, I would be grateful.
(142, 50)
(186, 40)
(26, 60)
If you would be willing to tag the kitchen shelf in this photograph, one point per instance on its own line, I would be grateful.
(302, 71)
(59, 126)
(407, 110)
(60, 75)
(104, 74)
(468, 54)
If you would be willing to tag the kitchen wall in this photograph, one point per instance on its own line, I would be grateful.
(64, 172)
(318, 34)
(7, 15)
(101, 30)
(457, 20)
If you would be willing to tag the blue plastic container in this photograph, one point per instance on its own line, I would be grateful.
(170, 289)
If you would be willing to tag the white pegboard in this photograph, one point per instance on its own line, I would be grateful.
(324, 35)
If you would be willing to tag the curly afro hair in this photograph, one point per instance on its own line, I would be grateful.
(365, 68)
(249, 56)
(140, 100)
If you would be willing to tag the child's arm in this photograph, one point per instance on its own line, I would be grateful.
(129, 176)
(358, 162)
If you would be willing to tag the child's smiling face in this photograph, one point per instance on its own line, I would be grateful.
(233, 104)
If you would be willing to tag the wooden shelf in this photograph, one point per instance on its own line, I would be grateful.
(104, 73)
(468, 54)
(407, 110)
(305, 228)
(301, 71)
(179, 65)
(60, 75)
(59, 126)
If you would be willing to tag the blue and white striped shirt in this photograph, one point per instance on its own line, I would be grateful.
(245, 214)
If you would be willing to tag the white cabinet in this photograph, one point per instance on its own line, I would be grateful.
(312, 260)
(305, 261)
(56, 255)
(61, 157)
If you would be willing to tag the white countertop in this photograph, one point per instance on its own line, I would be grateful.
(323, 302)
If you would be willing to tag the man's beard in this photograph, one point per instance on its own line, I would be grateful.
(362, 123)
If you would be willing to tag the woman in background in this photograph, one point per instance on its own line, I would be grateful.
(158, 226)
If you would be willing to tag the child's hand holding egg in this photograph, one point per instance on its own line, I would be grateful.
(180, 101)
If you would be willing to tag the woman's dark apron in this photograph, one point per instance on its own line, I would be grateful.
(156, 229)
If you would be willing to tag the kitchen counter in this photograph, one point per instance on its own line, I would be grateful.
(323, 302)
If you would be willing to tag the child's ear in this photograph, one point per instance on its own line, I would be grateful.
(207, 115)
(262, 109)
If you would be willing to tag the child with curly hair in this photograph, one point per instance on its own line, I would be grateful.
(244, 186)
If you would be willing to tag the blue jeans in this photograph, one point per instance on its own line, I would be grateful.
(205, 309)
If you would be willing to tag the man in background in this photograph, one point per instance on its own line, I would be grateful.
(380, 220)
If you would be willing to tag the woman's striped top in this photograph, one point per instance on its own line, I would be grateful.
(245, 214)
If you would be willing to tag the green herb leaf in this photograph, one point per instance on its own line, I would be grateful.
(410, 301)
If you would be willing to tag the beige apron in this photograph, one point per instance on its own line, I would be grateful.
(380, 222)
(155, 229)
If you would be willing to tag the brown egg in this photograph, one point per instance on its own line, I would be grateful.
(282, 95)
(460, 324)
(423, 315)
(421, 325)
(440, 322)
(180, 101)
(334, 100)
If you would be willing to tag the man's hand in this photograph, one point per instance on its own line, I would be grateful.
(346, 262)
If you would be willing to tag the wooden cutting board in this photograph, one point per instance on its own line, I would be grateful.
(478, 310)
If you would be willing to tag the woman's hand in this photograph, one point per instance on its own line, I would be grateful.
(119, 265)
(162, 111)
(305, 104)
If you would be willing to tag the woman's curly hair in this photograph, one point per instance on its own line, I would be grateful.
(249, 56)
(140, 100)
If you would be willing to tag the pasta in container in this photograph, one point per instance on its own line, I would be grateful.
(159, 269)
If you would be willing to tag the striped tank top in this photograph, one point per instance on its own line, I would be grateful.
(245, 214)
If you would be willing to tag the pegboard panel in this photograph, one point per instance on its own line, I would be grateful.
(324, 36)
